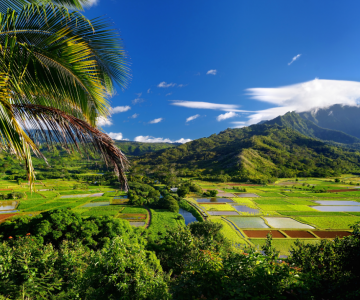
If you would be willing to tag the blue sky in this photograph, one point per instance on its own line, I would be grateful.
(199, 67)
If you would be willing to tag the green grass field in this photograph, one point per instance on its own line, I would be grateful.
(330, 222)
(282, 245)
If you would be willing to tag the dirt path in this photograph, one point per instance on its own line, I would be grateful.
(149, 220)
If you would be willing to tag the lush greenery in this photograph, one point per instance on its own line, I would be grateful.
(56, 261)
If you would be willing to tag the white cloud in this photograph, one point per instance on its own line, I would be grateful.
(90, 3)
(192, 118)
(119, 109)
(101, 121)
(148, 91)
(166, 85)
(294, 58)
(134, 116)
(239, 124)
(158, 120)
(151, 139)
(182, 85)
(168, 94)
(227, 115)
(211, 72)
(115, 135)
(207, 105)
(138, 99)
(306, 96)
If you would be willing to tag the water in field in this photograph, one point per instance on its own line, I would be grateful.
(121, 197)
(244, 208)
(137, 224)
(223, 213)
(331, 202)
(188, 216)
(215, 200)
(94, 204)
(248, 222)
(286, 223)
(246, 195)
(8, 211)
(7, 205)
(337, 208)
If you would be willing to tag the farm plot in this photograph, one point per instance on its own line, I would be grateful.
(299, 234)
(222, 213)
(263, 233)
(248, 222)
(102, 211)
(243, 209)
(285, 208)
(270, 194)
(271, 202)
(218, 207)
(330, 223)
(331, 234)
(229, 233)
(294, 194)
(312, 213)
(286, 223)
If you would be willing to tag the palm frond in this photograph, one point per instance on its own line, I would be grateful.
(54, 126)
(19, 4)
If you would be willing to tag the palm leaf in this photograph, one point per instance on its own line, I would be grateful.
(54, 126)
(19, 4)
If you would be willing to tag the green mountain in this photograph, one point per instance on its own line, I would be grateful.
(336, 117)
(139, 148)
(258, 153)
(310, 129)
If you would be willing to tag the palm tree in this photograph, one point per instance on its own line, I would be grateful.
(57, 70)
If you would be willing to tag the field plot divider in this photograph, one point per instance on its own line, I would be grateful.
(238, 231)
(200, 210)
(265, 221)
(286, 236)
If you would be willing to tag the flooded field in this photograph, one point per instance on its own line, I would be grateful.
(244, 208)
(332, 202)
(215, 200)
(7, 205)
(248, 222)
(337, 208)
(223, 213)
(246, 195)
(286, 223)
(137, 224)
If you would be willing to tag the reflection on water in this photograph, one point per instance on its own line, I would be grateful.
(337, 208)
(7, 205)
(215, 200)
(188, 216)
(332, 202)
(244, 208)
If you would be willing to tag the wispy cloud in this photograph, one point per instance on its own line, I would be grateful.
(227, 115)
(168, 94)
(192, 118)
(155, 121)
(207, 105)
(138, 99)
(182, 85)
(134, 116)
(294, 58)
(116, 136)
(90, 3)
(102, 122)
(211, 72)
(119, 109)
(166, 85)
(239, 124)
(306, 96)
(148, 91)
(151, 139)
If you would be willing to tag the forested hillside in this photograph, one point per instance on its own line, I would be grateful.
(257, 153)
(139, 148)
(310, 129)
(336, 117)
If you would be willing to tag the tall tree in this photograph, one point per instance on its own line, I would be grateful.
(57, 71)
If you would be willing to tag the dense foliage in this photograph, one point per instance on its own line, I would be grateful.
(193, 262)
(258, 153)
